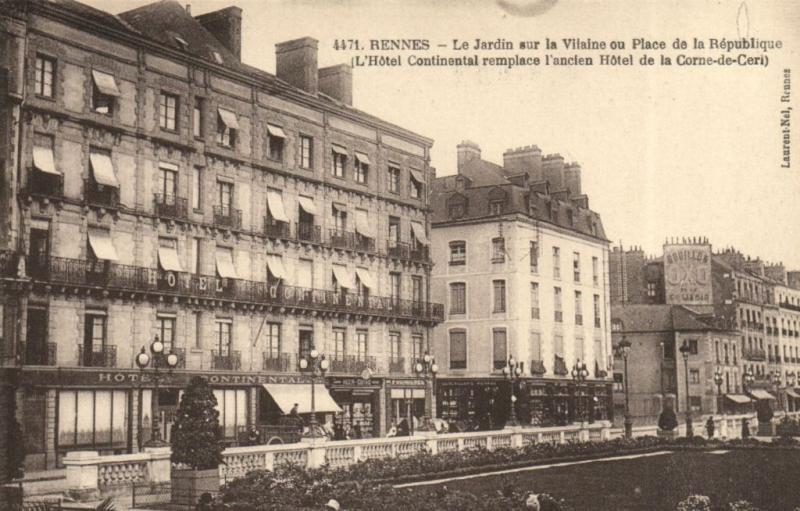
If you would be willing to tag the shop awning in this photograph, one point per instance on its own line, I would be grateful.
(362, 223)
(419, 232)
(105, 83)
(228, 118)
(44, 161)
(339, 149)
(103, 169)
(307, 204)
(761, 394)
(408, 393)
(417, 176)
(275, 204)
(366, 278)
(738, 398)
(363, 158)
(225, 266)
(791, 392)
(102, 246)
(168, 257)
(343, 276)
(275, 265)
(287, 394)
(275, 131)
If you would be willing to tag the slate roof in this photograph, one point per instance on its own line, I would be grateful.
(658, 318)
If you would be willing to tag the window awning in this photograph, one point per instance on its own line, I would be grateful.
(366, 278)
(275, 204)
(417, 176)
(419, 232)
(43, 160)
(791, 392)
(287, 394)
(225, 266)
(761, 394)
(168, 257)
(275, 131)
(307, 204)
(362, 223)
(275, 265)
(168, 166)
(363, 158)
(343, 276)
(408, 393)
(339, 149)
(103, 169)
(102, 246)
(105, 83)
(228, 118)
(738, 398)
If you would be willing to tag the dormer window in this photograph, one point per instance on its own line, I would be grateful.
(496, 207)
(104, 92)
(570, 217)
(456, 211)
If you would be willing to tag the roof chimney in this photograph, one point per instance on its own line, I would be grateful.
(297, 63)
(189, 9)
(337, 82)
(226, 26)
(467, 151)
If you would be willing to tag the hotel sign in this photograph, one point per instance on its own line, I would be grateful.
(134, 378)
(687, 274)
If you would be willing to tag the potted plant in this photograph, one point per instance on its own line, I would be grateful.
(667, 423)
(196, 444)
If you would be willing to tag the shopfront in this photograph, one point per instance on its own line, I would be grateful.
(474, 404)
(405, 400)
(360, 401)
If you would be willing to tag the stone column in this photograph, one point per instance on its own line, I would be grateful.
(82, 472)
(159, 466)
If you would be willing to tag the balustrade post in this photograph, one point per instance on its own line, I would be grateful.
(517, 441)
(159, 466)
(82, 474)
(460, 442)
(356, 453)
(316, 451)
(489, 444)
(433, 445)
(561, 437)
(269, 461)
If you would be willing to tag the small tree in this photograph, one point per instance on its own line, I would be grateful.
(196, 436)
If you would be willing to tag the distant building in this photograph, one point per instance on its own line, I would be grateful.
(520, 262)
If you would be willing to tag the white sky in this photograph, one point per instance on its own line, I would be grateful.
(665, 151)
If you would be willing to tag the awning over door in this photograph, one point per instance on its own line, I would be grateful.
(761, 394)
(103, 169)
(343, 276)
(44, 161)
(275, 265)
(168, 257)
(228, 118)
(362, 223)
(366, 278)
(738, 398)
(419, 232)
(102, 246)
(105, 83)
(275, 131)
(225, 266)
(287, 394)
(275, 204)
(307, 204)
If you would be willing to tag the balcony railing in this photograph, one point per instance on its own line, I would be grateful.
(226, 216)
(350, 240)
(278, 362)
(228, 362)
(8, 263)
(41, 357)
(171, 206)
(790, 306)
(397, 365)
(755, 354)
(42, 183)
(101, 195)
(275, 229)
(161, 362)
(97, 356)
(308, 232)
(402, 250)
(352, 364)
(119, 276)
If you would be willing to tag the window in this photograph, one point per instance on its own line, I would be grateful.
(227, 127)
(417, 346)
(595, 274)
(198, 330)
(576, 266)
(168, 112)
(498, 250)
(45, 71)
(695, 403)
(596, 304)
(499, 295)
(339, 215)
(104, 92)
(458, 349)
(198, 117)
(534, 300)
(166, 331)
(536, 346)
(578, 308)
(338, 343)
(456, 210)
(169, 184)
(232, 408)
(693, 346)
(272, 340)
(557, 304)
(558, 345)
(570, 218)
(361, 345)
(197, 188)
(394, 229)
(225, 196)
(619, 383)
(394, 283)
(694, 376)
(651, 289)
(534, 256)
(306, 152)
(556, 263)
(222, 334)
(196, 257)
(499, 348)
(338, 161)
(496, 207)
(394, 346)
(394, 179)
(458, 298)
(416, 184)
(416, 289)
(93, 418)
(95, 333)
(275, 140)
(458, 253)
(361, 169)
(306, 341)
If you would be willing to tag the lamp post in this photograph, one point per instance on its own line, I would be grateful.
(747, 379)
(318, 364)
(426, 368)
(579, 375)
(777, 380)
(718, 381)
(790, 380)
(625, 347)
(684, 349)
(512, 370)
(158, 358)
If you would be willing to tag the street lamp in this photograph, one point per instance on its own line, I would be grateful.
(625, 347)
(512, 370)
(159, 359)
(777, 380)
(790, 381)
(747, 379)
(718, 380)
(579, 375)
(684, 349)
(426, 368)
(318, 365)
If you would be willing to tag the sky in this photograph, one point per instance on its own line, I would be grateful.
(665, 151)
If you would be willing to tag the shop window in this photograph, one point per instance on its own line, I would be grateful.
(96, 419)
(232, 408)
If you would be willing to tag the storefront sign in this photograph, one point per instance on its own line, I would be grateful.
(354, 382)
(89, 378)
(687, 274)
(414, 382)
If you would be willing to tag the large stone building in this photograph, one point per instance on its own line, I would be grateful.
(155, 185)
(521, 264)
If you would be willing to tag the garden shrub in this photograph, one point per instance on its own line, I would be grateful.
(667, 420)
(694, 503)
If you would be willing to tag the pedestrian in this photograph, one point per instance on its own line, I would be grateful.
(357, 433)
(745, 429)
(253, 438)
(710, 427)
(293, 411)
(204, 503)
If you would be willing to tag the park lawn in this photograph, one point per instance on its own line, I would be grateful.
(768, 479)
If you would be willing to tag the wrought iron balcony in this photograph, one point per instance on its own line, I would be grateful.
(100, 195)
(275, 229)
(226, 216)
(755, 354)
(42, 183)
(278, 362)
(308, 232)
(538, 368)
(8, 263)
(790, 306)
(350, 240)
(44, 356)
(397, 365)
(403, 250)
(97, 356)
(171, 206)
(161, 362)
(352, 364)
(228, 362)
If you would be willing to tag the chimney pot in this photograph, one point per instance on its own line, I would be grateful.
(337, 82)
(225, 25)
(296, 63)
